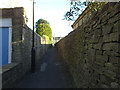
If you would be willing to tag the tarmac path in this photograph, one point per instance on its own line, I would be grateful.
(52, 74)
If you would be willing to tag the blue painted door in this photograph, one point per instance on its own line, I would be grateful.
(0, 47)
(5, 45)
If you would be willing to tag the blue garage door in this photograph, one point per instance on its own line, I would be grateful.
(5, 45)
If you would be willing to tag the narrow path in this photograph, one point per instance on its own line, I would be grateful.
(52, 74)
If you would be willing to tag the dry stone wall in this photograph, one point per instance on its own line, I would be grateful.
(92, 51)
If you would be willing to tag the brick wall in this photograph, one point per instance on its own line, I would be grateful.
(21, 48)
(92, 51)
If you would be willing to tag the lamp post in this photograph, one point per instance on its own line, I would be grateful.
(33, 47)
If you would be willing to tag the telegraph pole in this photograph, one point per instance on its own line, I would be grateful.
(33, 47)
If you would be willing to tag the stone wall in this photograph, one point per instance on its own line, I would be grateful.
(21, 48)
(92, 51)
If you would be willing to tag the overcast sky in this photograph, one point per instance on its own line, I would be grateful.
(53, 11)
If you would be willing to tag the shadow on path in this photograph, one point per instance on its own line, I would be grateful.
(52, 74)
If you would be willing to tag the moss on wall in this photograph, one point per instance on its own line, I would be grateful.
(92, 50)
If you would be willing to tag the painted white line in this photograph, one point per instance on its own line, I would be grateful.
(43, 67)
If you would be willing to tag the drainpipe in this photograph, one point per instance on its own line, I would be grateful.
(33, 47)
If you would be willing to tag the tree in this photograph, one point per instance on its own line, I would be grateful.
(76, 7)
(41, 21)
(43, 28)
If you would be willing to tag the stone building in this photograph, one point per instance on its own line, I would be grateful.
(56, 39)
(28, 8)
(16, 45)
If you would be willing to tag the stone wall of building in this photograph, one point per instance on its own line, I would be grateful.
(21, 48)
(92, 51)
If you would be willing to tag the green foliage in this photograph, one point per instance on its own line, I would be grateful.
(41, 21)
(45, 40)
(95, 6)
(43, 28)
(77, 7)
